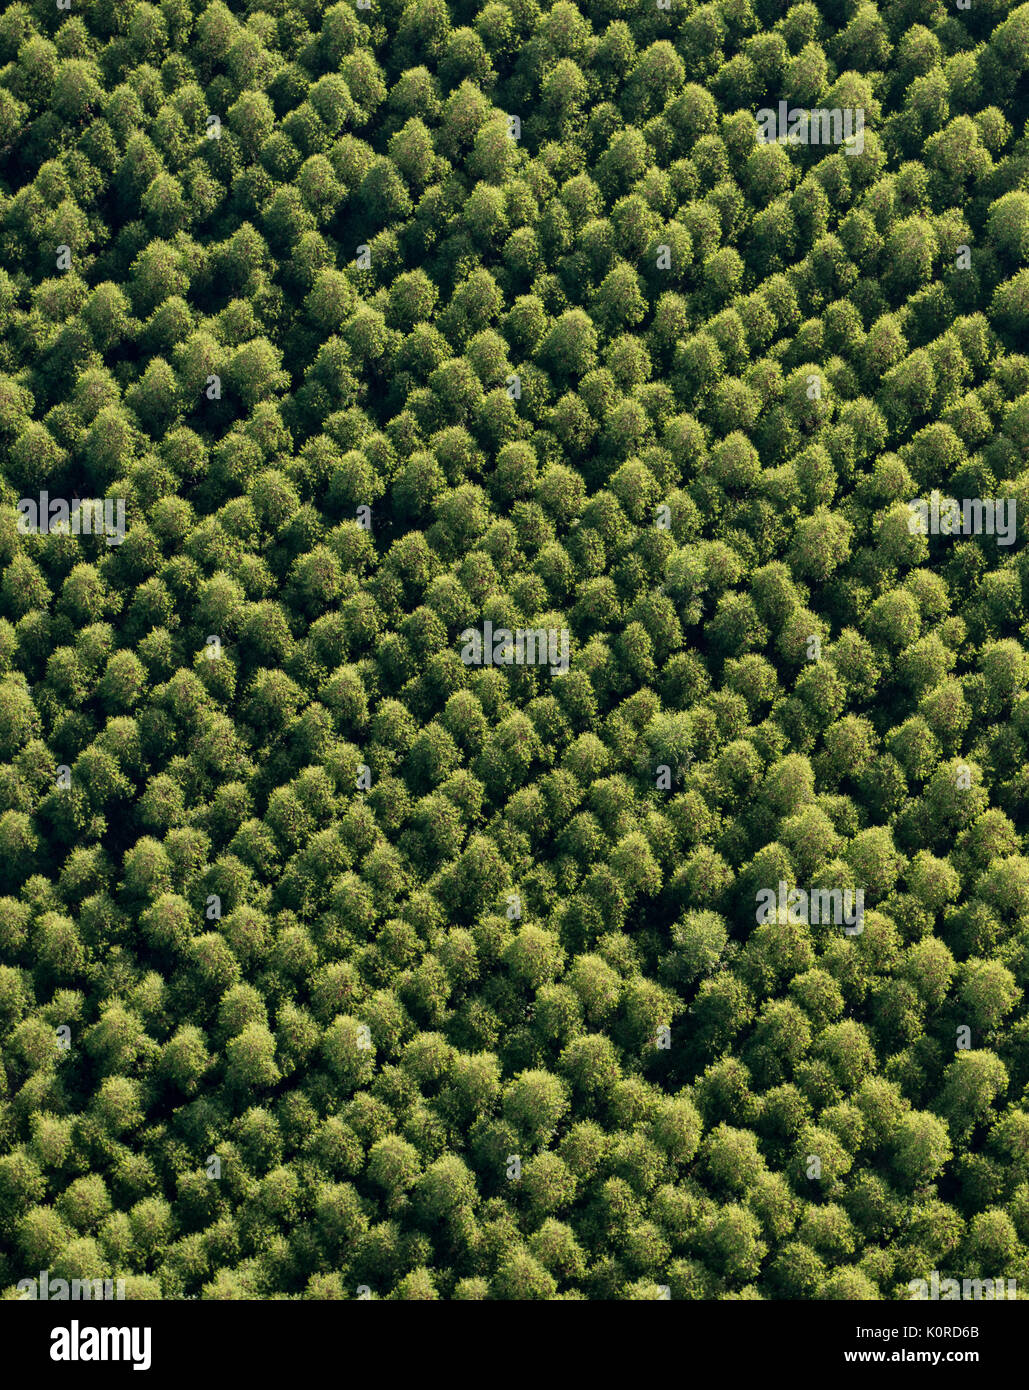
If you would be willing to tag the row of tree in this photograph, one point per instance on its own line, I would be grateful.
(334, 966)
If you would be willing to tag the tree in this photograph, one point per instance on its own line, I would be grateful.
(971, 1084)
(922, 1148)
(332, 955)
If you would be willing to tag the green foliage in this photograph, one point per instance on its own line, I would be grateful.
(331, 957)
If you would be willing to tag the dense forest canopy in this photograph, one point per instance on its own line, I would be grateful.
(341, 957)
